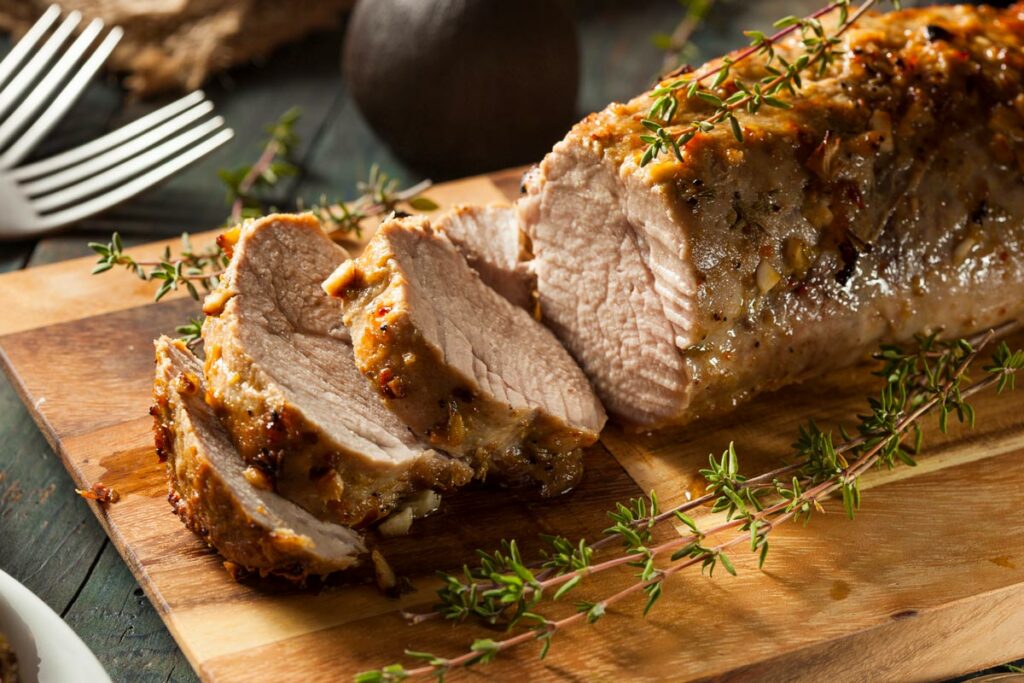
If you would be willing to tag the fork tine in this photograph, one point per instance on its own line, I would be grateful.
(22, 48)
(67, 97)
(132, 188)
(126, 170)
(117, 154)
(108, 141)
(28, 74)
(40, 94)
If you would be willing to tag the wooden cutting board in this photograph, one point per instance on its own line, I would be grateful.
(927, 582)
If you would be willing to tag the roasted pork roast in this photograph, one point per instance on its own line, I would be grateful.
(882, 200)
(887, 201)
(461, 365)
(226, 502)
(281, 375)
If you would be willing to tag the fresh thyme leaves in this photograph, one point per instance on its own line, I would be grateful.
(188, 269)
(379, 194)
(246, 184)
(503, 589)
(730, 95)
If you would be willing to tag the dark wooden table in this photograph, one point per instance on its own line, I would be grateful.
(49, 540)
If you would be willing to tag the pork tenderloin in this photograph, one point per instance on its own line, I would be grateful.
(493, 244)
(281, 375)
(887, 201)
(462, 366)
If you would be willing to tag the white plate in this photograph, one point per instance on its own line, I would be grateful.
(48, 650)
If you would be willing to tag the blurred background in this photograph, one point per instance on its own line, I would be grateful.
(424, 88)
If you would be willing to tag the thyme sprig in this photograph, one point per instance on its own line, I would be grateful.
(247, 184)
(191, 332)
(820, 48)
(502, 588)
(188, 269)
(379, 194)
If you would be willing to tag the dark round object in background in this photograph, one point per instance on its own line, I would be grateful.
(464, 86)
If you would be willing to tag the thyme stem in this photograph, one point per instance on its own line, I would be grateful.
(379, 195)
(821, 49)
(916, 384)
(266, 158)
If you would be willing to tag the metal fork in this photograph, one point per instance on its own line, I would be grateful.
(29, 80)
(94, 176)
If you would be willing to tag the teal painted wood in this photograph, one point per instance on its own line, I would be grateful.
(117, 621)
(49, 539)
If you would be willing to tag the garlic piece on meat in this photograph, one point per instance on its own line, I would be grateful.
(425, 503)
(258, 479)
(228, 239)
(818, 213)
(398, 524)
(331, 486)
(767, 276)
(386, 579)
(823, 161)
(337, 282)
(795, 253)
(421, 505)
(215, 301)
(962, 250)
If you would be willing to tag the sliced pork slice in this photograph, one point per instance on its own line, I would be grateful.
(597, 289)
(462, 366)
(887, 201)
(223, 501)
(495, 247)
(280, 372)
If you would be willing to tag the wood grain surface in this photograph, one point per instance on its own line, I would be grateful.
(933, 567)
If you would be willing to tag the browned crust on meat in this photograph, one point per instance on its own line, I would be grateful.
(923, 107)
(200, 499)
(414, 380)
(277, 439)
(891, 61)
